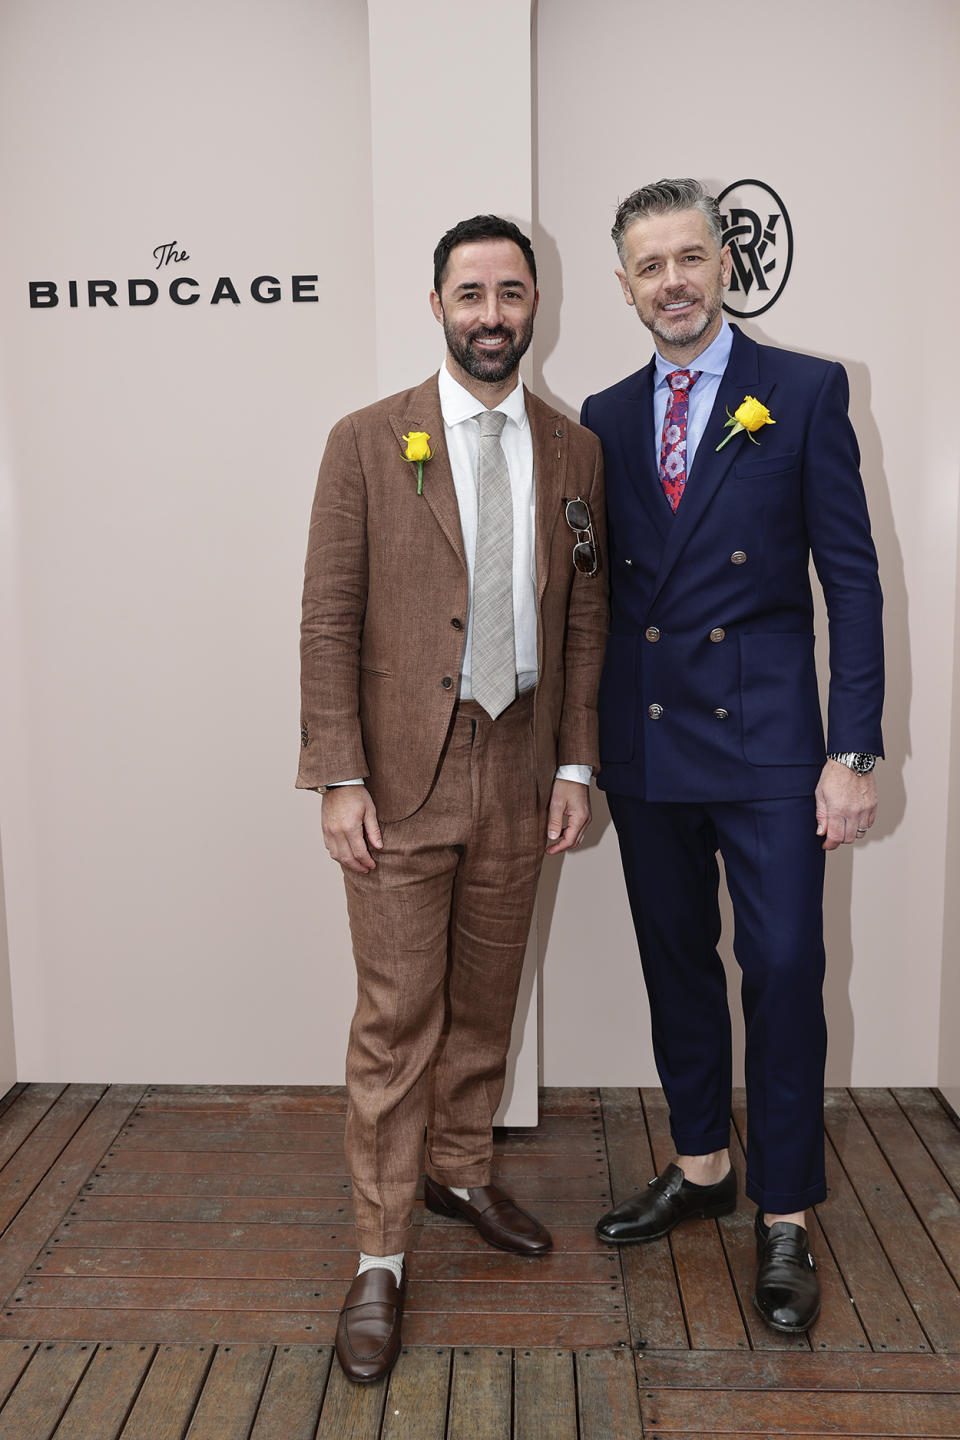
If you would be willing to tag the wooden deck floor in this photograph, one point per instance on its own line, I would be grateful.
(172, 1261)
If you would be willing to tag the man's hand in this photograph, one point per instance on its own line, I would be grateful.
(568, 815)
(349, 820)
(846, 804)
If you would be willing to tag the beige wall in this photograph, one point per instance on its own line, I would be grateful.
(170, 910)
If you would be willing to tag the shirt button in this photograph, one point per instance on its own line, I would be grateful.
(717, 635)
(739, 557)
(446, 682)
(652, 634)
(457, 624)
(721, 714)
(654, 711)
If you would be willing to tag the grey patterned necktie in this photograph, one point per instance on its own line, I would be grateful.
(493, 664)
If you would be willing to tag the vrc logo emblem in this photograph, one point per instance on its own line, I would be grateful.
(757, 228)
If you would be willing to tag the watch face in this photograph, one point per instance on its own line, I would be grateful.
(863, 764)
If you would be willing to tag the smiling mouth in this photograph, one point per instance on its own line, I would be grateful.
(677, 305)
(490, 342)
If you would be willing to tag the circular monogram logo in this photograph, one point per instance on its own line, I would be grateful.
(757, 228)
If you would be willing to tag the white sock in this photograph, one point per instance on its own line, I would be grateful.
(463, 1194)
(393, 1263)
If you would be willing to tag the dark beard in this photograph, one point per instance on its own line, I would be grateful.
(489, 368)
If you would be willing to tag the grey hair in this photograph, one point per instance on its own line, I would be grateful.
(658, 199)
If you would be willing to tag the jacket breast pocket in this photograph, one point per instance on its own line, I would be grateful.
(784, 464)
(779, 699)
(617, 702)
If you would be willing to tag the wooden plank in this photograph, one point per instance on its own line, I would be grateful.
(416, 1403)
(555, 1135)
(40, 1149)
(231, 1393)
(838, 1326)
(167, 1397)
(545, 1399)
(649, 1280)
(710, 1301)
(607, 1400)
(450, 1239)
(178, 1096)
(246, 1182)
(494, 1297)
(732, 1412)
(481, 1395)
(14, 1358)
(36, 1405)
(304, 1326)
(555, 1268)
(917, 1173)
(208, 1210)
(22, 1115)
(350, 1411)
(569, 1100)
(45, 1207)
(938, 1130)
(12, 1094)
(870, 1280)
(800, 1371)
(106, 1392)
(290, 1408)
(929, 1286)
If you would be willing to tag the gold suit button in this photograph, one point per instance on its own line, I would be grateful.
(654, 711)
(721, 714)
(717, 635)
(739, 557)
(652, 634)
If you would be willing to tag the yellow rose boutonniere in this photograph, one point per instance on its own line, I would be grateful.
(418, 450)
(749, 417)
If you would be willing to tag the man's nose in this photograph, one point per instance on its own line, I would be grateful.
(672, 276)
(491, 312)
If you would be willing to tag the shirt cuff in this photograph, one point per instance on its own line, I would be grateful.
(335, 785)
(580, 773)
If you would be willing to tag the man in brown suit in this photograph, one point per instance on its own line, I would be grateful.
(454, 616)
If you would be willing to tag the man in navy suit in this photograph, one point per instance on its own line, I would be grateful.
(711, 736)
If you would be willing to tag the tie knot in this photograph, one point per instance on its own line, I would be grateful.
(683, 379)
(491, 423)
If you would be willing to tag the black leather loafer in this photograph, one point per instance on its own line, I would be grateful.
(667, 1200)
(788, 1292)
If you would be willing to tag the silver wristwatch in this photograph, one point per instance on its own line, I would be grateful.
(859, 764)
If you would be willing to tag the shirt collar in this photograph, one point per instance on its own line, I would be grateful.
(713, 361)
(457, 404)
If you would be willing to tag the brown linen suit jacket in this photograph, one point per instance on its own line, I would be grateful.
(385, 603)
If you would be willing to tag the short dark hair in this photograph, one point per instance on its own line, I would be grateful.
(658, 199)
(480, 227)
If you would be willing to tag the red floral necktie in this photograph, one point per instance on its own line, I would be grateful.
(673, 446)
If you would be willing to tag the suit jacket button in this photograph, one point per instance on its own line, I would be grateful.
(628, 562)
(654, 711)
(739, 557)
(446, 682)
(457, 624)
(721, 714)
(652, 634)
(717, 635)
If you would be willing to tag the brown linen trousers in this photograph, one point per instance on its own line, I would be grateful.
(440, 926)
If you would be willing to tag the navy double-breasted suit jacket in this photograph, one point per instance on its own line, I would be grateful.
(709, 689)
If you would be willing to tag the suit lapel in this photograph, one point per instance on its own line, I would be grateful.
(423, 413)
(548, 432)
(709, 469)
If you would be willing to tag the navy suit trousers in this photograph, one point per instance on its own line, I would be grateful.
(774, 867)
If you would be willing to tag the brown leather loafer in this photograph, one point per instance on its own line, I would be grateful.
(368, 1330)
(489, 1210)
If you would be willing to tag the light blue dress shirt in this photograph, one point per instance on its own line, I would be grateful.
(711, 364)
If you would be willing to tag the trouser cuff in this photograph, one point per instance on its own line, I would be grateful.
(701, 1144)
(785, 1202)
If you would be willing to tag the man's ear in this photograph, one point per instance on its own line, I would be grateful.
(726, 265)
(436, 306)
(622, 277)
